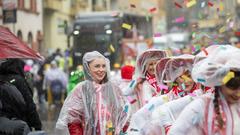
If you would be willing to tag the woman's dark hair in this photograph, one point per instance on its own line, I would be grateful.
(219, 118)
(234, 83)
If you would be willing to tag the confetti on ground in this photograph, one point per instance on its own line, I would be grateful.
(191, 3)
(126, 26)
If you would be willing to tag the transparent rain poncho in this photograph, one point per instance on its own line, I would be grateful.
(205, 52)
(151, 54)
(211, 71)
(173, 67)
(160, 67)
(95, 106)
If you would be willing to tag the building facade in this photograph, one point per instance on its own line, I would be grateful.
(29, 22)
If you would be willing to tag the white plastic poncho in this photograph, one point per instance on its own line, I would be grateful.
(198, 116)
(151, 54)
(95, 106)
(211, 71)
(177, 66)
(173, 67)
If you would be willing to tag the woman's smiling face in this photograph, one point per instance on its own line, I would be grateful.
(151, 66)
(98, 69)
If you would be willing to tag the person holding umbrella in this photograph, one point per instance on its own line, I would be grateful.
(11, 70)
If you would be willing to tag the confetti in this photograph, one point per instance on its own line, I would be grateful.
(203, 4)
(112, 48)
(191, 3)
(126, 109)
(210, 4)
(152, 9)
(227, 77)
(192, 94)
(163, 87)
(179, 19)
(126, 26)
(151, 107)
(223, 29)
(177, 5)
(157, 35)
(205, 51)
(186, 78)
(165, 99)
(132, 83)
(131, 100)
(201, 80)
(183, 86)
(132, 6)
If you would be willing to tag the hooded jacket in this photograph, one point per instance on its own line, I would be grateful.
(12, 71)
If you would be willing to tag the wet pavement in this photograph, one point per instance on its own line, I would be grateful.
(49, 116)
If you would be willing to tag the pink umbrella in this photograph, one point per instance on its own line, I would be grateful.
(12, 47)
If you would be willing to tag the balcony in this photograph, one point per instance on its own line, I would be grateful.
(52, 4)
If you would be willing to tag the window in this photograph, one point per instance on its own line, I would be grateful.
(0, 2)
(30, 39)
(19, 34)
(27, 4)
(20, 4)
(33, 5)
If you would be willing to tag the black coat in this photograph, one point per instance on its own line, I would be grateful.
(12, 102)
(12, 71)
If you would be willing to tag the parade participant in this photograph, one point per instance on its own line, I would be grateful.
(75, 77)
(96, 106)
(171, 68)
(177, 72)
(218, 114)
(126, 76)
(144, 84)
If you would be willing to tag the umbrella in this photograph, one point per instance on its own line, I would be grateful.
(12, 47)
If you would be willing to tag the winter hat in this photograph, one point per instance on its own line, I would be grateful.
(127, 72)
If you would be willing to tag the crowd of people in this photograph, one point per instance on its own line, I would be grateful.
(160, 95)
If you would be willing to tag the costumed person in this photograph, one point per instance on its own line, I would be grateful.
(218, 114)
(96, 105)
(127, 72)
(12, 71)
(75, 77)
(55, 81)
(170, 69)
(166, 114)
(144, 84)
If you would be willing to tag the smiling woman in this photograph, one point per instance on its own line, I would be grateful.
(98, 70)
(218, 114)
(96, 106)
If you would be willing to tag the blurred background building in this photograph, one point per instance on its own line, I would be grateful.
(47, 24)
